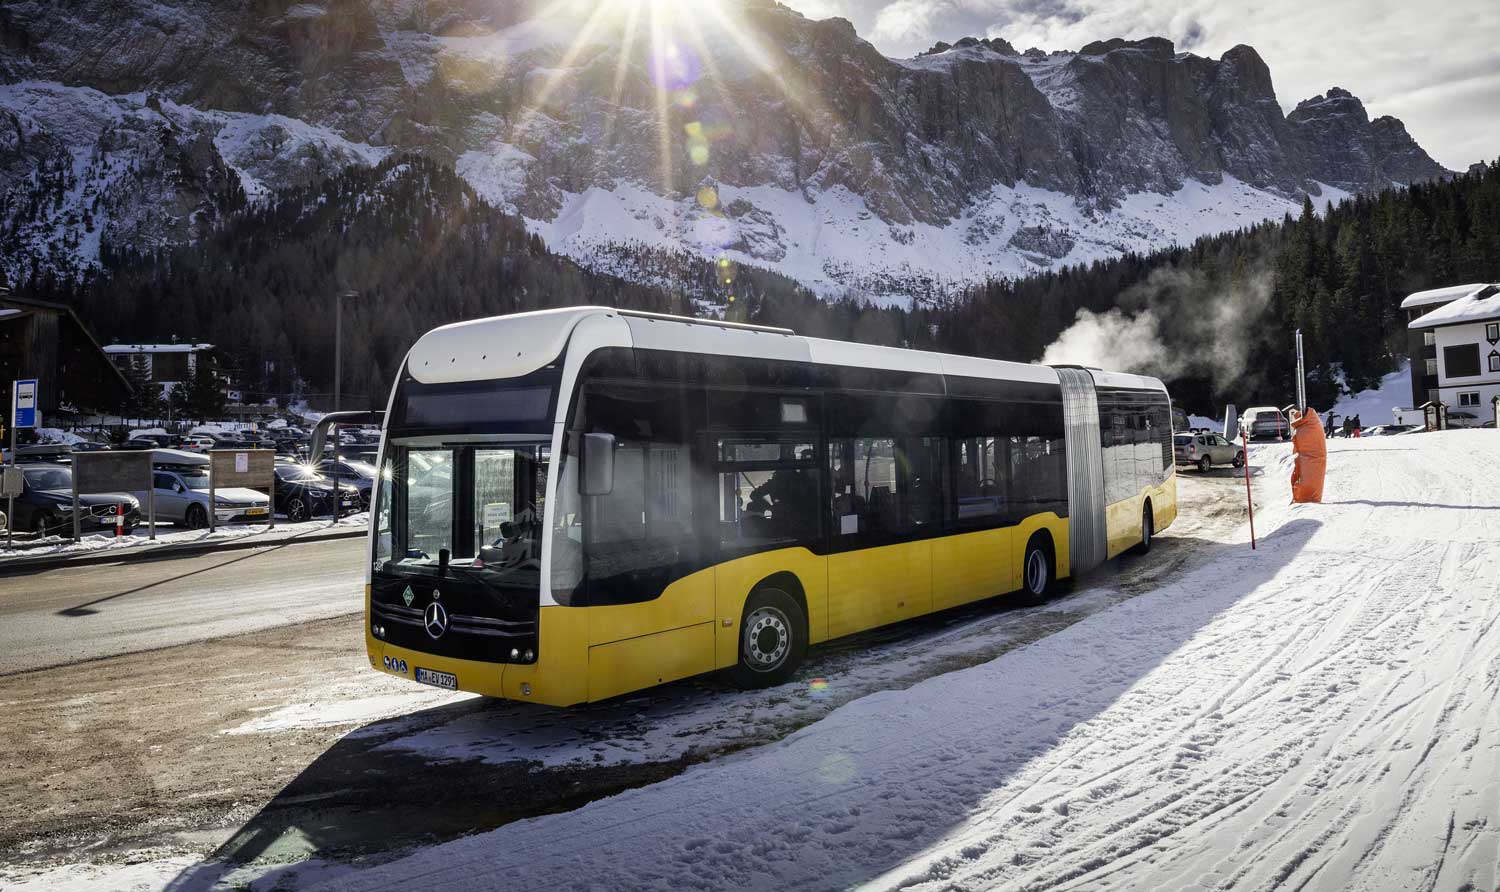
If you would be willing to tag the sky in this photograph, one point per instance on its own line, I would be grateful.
(1434, 64)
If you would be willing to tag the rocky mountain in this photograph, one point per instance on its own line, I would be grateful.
(733, 128)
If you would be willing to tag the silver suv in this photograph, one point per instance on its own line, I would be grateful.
(1205, 450)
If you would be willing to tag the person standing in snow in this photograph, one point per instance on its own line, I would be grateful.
(1310, 448)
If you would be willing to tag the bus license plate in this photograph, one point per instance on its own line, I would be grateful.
(437, 679)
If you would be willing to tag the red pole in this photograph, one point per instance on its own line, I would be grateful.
(119, 521)
(1249, 502)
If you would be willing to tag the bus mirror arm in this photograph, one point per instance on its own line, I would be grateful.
(598, 477)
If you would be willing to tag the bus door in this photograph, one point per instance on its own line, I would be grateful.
(886, 504)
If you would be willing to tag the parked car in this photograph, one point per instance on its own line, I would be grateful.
(357, 473)
(43, 452)
(89, 446)
(1460, 418)
(1204, 450)
(45, 503)
(1264, 422)
(302, 494)
(182, 499)
(140, 443)
(198, 443)
(1388, 430)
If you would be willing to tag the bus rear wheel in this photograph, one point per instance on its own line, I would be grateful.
(1148, 530)
(1036, 570)
(773, 639)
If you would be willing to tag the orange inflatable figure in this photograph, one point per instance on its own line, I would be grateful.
(1311, 451)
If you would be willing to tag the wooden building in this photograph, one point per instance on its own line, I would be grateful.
(48, 341)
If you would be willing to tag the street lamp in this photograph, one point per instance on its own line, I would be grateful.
(338, 345)
(338, 384)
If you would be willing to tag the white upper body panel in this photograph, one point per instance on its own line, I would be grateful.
(1121, 379)
(510, 346)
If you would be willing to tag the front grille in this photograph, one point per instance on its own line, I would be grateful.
(484, 624)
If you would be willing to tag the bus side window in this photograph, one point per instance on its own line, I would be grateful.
(978, 470)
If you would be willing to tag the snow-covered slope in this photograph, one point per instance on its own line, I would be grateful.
(81, 169)
(1315, 714)
(833, 243)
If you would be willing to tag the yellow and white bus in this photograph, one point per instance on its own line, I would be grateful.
(578, 503)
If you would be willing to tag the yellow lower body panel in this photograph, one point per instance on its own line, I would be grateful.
(626, 666)
(878, 586)
(972, 566)
(592, 653)
(1122, 520)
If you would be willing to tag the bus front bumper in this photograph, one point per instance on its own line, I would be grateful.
(558, 677)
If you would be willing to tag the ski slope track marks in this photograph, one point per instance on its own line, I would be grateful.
(1320, 713)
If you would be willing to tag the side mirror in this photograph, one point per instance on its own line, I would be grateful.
(598, 477)
(177, 487)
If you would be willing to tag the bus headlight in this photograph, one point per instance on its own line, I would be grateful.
(378, 630)
(515, 653)
(530, 655)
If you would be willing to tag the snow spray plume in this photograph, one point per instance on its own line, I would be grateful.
(1176, 324)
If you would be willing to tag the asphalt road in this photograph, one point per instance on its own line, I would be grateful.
(82, 613)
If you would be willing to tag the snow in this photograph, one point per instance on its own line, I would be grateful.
(106, 137)
(831, 241)
(157, 348)
(345, 706)
(1438, 295)
(1479, 305)
(59, 436)
(1317, 713)
(1377, 405)
(101, 541)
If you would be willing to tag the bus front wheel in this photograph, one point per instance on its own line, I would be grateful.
(773, 639)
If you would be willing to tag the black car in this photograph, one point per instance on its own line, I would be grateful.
(358, 474)
(302, 494)
(45, 505)
(140, 443)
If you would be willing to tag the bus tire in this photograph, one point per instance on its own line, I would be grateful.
(1148, 530)
(773, 639)
(1038, 569)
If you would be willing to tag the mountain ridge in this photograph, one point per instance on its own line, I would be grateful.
(779, 141)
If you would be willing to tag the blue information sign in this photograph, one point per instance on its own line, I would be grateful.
(25, 403)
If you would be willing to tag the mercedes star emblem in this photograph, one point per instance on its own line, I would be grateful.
(436, 620)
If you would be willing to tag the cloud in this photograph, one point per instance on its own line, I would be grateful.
(1432, 64)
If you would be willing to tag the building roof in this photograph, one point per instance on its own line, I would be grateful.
(1481, 304)
(157, 348)
(1436, 296)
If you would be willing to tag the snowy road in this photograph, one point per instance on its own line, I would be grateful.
(1321, 713)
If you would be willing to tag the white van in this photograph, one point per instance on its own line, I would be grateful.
(1264, 422)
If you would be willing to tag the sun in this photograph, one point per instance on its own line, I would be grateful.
(684, 47)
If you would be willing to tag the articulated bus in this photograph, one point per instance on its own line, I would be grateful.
(575, 504)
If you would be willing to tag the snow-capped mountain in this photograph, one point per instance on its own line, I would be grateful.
(734, 128)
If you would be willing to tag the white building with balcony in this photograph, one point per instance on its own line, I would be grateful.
(1465, 337)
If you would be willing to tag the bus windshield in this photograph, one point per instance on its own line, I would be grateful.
(481, 503)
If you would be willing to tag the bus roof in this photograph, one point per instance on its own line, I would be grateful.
(520, 343)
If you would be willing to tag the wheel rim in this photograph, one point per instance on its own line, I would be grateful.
(1036, 572)
(768, 639)
(195, 518)
(295, 510)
